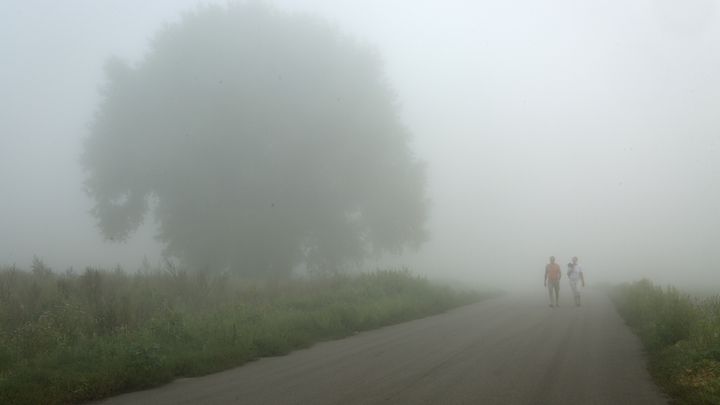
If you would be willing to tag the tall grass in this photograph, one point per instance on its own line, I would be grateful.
(70, 337)
(681, 335)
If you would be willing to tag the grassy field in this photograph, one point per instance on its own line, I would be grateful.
(67, 338)
(681, 335)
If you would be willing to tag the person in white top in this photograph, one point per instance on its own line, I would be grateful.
(575, 274)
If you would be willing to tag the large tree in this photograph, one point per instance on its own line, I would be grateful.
(268, 140)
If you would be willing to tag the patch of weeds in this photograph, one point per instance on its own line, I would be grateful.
(682, 338)
(146, 356)
(68, 338)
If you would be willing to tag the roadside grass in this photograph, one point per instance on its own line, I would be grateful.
(681, 335)
(69, 338)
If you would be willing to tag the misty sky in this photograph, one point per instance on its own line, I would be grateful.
(564, 128)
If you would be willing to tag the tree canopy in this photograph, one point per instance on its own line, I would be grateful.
(268, 139)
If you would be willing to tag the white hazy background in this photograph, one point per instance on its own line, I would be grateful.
(564, 128)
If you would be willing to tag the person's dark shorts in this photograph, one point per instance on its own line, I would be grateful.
(553, 285)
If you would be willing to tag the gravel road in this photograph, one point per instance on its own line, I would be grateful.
(508, 350)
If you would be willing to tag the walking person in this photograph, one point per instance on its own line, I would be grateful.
(552, 281)
(575, 274)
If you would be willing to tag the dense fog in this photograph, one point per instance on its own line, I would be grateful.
(548, 128)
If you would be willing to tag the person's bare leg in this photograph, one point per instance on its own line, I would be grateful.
(552, 304)
(557, 298)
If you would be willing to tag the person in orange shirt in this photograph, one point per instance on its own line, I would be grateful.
(552, 281)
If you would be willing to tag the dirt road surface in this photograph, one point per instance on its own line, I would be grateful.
(508, 350)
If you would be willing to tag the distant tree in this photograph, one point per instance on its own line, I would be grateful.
(268, 140)
(39, 268)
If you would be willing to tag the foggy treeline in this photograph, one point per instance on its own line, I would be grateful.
(475, 139)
